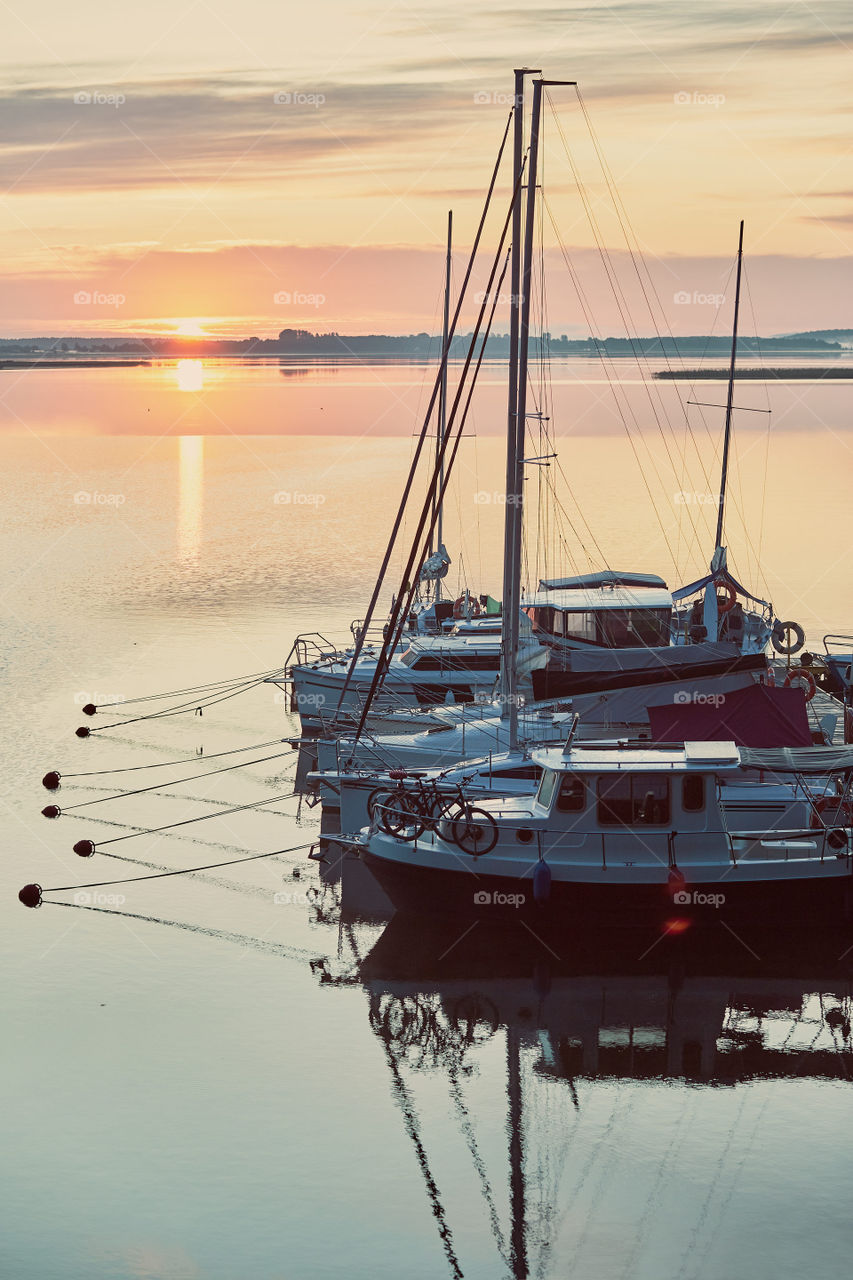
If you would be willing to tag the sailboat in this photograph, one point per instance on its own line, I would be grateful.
(717, 606)
(622, 826)
(442, 650)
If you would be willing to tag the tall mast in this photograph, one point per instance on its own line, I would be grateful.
(515, 491)
(509, 609)
(442, 403)
(730, 397)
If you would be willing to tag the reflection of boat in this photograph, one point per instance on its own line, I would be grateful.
(571, 1052)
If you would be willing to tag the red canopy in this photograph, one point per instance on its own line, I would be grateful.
(758, 716)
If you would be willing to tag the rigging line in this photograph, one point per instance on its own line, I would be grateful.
(398, 615)
(400, 612)
(168, 764)
(175, 782)
(607, 362)
(188, 822)
(182, 871)
(175, 693)
(622, 307)
(609, 371)
(395, 636)
(401, 510)
(558, 463)
(652, 389)
(195, 704)
(633, 245)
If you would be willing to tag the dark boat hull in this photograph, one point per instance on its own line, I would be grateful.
(418, 890)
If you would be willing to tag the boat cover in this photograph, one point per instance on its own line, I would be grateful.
(758, 717)
(821, 760)
(606, 578)
(667, 657)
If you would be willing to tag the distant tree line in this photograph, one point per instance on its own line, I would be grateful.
(301, 342)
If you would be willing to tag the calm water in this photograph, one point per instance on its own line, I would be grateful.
(204, 1081)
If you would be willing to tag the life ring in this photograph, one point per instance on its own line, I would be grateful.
(466, 606)
(801, 675)
(787, 629)
(832, 811)
(726, 605)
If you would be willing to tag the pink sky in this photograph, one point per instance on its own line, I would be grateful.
(209, 162)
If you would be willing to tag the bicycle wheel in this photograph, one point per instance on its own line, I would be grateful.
(476, 832)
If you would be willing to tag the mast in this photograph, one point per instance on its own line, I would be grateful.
(442, 403)
(729, 398)
(515, 495)
(509, 609)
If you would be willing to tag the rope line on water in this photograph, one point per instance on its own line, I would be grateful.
(85, 848)
(197, 704)
(182, 871)
(198, 688)
(161, 764)
(156, 786)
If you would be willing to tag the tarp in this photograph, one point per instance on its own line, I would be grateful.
(606, 578)
(758, 716)
(666, 657)
(553, 683)
(800, 760)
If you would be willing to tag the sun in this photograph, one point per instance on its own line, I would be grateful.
(192, 327)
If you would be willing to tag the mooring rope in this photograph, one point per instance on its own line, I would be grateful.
(31, 894)
(54, 811)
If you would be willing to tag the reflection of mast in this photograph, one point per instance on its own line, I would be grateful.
(517, 1244)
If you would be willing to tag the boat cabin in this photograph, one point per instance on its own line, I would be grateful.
(618, 785)
(609, 611)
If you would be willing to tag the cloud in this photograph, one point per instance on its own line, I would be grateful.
(202, 131)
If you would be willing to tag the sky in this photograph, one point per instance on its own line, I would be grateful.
(237, 169)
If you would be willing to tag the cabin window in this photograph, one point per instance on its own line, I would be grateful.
(572, 796)
(546, 788)
(529, 771)
(638, 799)
(579, 626)
(693, 793)
(456, 662)
(633, 628)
